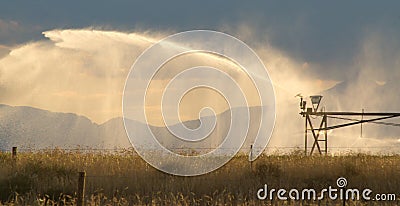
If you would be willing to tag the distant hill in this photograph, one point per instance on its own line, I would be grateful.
(36, 128)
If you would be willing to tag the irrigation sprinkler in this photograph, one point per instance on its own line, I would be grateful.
(313, 113)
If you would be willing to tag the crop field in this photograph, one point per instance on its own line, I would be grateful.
(122, 178)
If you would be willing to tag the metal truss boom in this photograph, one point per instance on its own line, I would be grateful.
(324, 125)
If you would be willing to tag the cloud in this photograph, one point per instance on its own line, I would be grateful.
(79, 71)
(7, 27)
(92, 40)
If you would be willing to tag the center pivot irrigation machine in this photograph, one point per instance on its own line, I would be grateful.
(308, 113)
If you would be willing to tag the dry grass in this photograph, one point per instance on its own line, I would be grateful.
(50, 177)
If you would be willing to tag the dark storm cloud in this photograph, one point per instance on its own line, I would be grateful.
(328, 34)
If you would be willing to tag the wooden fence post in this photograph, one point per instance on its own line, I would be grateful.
(14, 153)
(251, 157)
(81, 189)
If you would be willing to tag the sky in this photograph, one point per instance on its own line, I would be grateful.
(315, 31)
(73, 56)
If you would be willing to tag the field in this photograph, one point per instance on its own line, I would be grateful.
(122, 178)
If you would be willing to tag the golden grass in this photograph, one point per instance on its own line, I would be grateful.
(50, 177)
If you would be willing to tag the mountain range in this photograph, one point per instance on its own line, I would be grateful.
(35, 128)
(29, 127)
